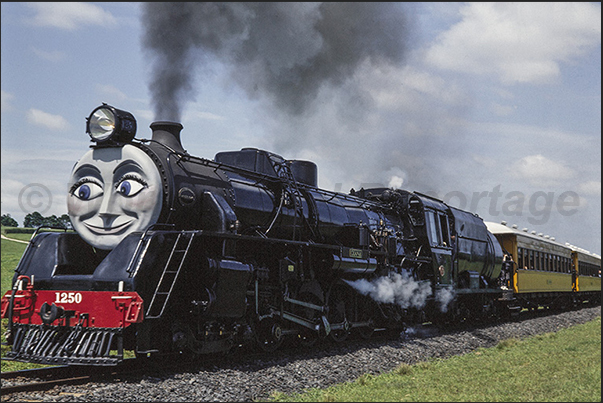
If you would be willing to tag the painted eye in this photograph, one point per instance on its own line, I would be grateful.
(87, 190)
(130, 187)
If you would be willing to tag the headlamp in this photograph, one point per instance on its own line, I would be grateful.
(107, 123)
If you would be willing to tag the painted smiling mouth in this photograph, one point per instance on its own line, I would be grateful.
(110, 230)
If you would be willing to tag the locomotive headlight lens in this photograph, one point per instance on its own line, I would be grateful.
(101, 124)
(107, 123)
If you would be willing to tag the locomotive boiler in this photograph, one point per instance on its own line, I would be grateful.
(177, 254)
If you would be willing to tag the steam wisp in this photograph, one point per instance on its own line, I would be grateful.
(395, 288)
(402, 289)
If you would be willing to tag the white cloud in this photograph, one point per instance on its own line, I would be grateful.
(590, 188)
(69, 15)
(541, 171)
(519, 42)
(502, 110)
(145, 114)
(52, 56)
(5, 100)
(111, 92)
(47, 120)
(202, 115)
(395, 88)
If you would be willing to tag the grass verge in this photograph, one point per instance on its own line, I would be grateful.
(555, 367)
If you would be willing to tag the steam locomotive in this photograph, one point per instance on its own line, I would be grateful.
(176, 254)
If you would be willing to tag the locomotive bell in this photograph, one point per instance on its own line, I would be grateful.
(168, 134)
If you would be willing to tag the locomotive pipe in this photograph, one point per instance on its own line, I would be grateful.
(354, 266)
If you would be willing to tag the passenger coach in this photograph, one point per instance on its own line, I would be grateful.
(546, 272)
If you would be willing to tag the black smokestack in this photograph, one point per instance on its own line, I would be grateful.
(287, 52)
(168, 133)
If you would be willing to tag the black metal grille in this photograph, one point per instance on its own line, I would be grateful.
(61, 345)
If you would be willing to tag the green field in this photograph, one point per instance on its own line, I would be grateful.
(11, 253)
(556, 367)
(564, 366)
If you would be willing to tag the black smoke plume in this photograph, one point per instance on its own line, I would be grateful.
(284, 51)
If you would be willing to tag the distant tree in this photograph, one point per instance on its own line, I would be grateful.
(8, 221)
(65, 221)
(35, 219)
(52, 221)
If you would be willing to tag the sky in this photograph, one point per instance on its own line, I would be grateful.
(494, 108)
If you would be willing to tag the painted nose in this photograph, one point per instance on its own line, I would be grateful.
(109, 210)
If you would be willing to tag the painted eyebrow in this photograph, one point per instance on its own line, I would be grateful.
(128, 164)
(84, 171)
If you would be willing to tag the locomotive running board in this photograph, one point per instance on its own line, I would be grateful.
(61, 345)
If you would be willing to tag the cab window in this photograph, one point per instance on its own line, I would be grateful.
(437, 228)
(445, 230)
(431, 227)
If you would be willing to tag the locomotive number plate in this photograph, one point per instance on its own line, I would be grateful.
(68, 297)
(356, 253)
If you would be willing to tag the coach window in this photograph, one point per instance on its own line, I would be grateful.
(520, 258)
(537, 260)
(531, 259)
(547, 262)
(588, 269)
(563, 268)
(524, 258)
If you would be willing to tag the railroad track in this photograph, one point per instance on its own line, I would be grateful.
(38, 379)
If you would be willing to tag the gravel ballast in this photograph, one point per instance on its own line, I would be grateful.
(257, 378)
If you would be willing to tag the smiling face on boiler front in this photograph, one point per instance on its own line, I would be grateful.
(113, 192)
